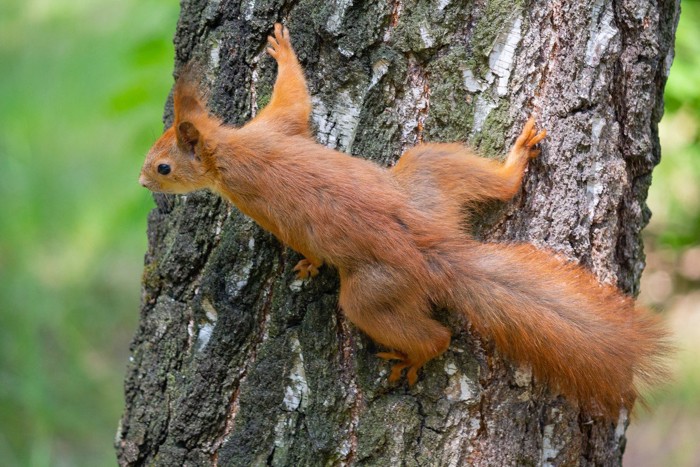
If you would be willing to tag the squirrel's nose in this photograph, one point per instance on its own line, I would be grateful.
(143, 181)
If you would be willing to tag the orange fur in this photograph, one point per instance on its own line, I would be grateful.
(395, 237)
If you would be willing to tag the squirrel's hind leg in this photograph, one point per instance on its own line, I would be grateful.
(455, 174)
(426, 340)
(397, 319)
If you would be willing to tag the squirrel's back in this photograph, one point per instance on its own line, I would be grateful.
(345, 209)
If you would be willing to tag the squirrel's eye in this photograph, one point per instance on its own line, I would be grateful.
(164, 169)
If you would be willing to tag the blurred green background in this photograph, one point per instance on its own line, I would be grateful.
(82, 88)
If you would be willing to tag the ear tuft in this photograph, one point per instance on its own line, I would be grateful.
(189, 100)
(187, 136)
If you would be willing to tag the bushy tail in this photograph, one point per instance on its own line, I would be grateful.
(586, 339)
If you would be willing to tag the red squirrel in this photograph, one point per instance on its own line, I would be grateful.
(396, 236)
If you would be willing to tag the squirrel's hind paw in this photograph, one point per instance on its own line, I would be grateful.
(279, 43)
(305, 269)
(529, 138)
(397, 369)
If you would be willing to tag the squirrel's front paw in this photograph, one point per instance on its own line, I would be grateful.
(305, 269)
(280, 46)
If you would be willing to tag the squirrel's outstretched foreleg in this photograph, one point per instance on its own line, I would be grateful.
(288, 111)
(290, 105)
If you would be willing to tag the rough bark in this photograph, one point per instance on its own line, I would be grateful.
(236, 363)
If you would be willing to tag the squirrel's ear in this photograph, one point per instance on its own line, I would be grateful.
(187, 105)
(187, 136)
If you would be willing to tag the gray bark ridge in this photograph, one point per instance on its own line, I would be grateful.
(236, 363)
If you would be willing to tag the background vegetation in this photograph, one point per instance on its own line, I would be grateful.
(82, 89)
(667, 435)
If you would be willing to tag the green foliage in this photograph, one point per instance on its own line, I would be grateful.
(82, 91)
(675, 193)
(665, 435)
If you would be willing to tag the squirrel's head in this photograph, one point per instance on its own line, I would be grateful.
(182, 159)
(174, 164)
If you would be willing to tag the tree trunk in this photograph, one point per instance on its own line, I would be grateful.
(237, 363)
